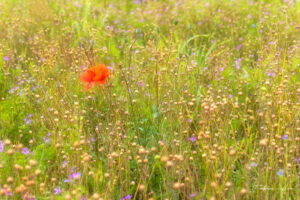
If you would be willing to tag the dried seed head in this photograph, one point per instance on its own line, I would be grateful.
(164, 159)
(142, 187)
(18, 167)
(243, 191)
(214, 185)
(232, 152)
(176, 186)
(38, 172)
(106, 175)
(68, 197)
(228, 184)
(20, 189)
(263, 142)
(33, 163)
(10, 152)
(96, 196)
(7, 142)
(10, 179)
(153, 149)
(169, 164)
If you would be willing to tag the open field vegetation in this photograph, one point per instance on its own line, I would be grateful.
(202, 100)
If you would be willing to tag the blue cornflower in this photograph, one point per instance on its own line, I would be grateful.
(280, 172)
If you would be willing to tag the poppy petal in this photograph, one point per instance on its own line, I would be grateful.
(87, 76)
(100, 81)
(96, 74)
(88, 86)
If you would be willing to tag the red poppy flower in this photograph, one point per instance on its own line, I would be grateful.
(94, 75)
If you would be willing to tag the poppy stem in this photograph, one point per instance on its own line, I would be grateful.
(129, 63)
(88, 57)
(127, 85)
(156, 74)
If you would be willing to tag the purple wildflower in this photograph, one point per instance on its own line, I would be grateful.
(140, 83)
(65, 163)
(6, 192)
(194, 194)
(193, 139)
(109, 67)
(237, 63)
(1, 146)
(285, 137)
(57, 191)
(126, 197)
(25, 151)
(273, 75)
(28, 121)
(77, 4)
(67, 180)
(75, 176)
(13, 89)
(83, 67)
(238, 47)
(253, 164)
(46, 139)
(6, 58)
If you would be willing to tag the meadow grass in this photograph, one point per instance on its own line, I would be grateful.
(202, 101)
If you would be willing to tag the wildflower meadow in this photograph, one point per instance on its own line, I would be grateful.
(149, 99)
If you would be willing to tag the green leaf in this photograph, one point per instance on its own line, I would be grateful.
(187, 42)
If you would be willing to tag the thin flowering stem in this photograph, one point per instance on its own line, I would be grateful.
(156, 79)
(87, 54)
(127, 86)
